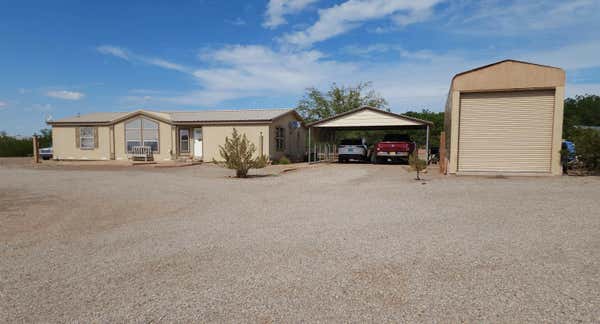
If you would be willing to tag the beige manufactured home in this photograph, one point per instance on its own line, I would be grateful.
(185, 135)
(505, 118)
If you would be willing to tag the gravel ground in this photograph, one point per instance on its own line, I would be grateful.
(331, 243)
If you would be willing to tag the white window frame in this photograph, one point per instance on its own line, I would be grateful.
(186, 141)
(141, 133)
(90, 136)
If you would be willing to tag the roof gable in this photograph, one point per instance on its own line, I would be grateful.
(509, 74)
(368, 117)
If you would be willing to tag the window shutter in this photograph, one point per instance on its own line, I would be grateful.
(77, 138)
(95, 137)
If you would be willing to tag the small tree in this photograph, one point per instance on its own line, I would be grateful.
(238, 154)
(417, 164)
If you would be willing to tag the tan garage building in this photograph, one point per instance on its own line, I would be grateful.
(505, 118)
(185, 135)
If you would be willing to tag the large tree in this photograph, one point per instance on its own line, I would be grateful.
(316, 105)
(581, 111)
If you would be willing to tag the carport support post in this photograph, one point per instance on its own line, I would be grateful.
(309, 145)
(427, 145)
(36, 149)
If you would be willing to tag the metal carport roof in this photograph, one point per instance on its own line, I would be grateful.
(371, 118)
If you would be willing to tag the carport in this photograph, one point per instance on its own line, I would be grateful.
(321, 134)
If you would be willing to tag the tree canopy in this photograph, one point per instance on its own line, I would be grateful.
(581, 111)
(11, 146)
(434, 132)
(316, 105)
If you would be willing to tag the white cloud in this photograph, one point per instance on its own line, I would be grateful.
(235, 72)
(258, 68)
(416, 80)
(572, 56)
(3, 105)
(516, 18)
(165, 64)
(277, 9)
(66, 95)
(114, 51)
(236, 22)
(39, 108)
(341, 18)
(127, 55)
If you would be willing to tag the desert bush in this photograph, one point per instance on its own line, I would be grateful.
(238, 153)
(587, 148)
(284, 160)
(417, 164)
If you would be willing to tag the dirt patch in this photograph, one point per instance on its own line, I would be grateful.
(325, 243)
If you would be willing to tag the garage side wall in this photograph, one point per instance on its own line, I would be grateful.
(214, 135)
(64, 143)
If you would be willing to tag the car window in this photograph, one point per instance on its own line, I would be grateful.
(351, 141)
(396, 138)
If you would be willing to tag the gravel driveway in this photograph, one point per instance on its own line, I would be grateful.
(332, 243)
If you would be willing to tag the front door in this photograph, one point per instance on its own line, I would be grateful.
(198, 143)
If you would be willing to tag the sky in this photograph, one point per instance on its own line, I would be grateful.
(62, 58)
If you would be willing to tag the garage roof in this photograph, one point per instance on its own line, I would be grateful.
(509, 75)
(367, 116)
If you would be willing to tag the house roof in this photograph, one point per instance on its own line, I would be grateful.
(207, 116)
(363, 108)
(227, 115)
(103, 117)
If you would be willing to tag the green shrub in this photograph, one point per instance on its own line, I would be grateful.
(587, 148)
(417, 164)
(284, 160)
(238, 154)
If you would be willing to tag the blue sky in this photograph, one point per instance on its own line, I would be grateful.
(60, 58)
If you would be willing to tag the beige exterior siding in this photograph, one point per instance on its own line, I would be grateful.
(215, 136)
(64, 143)
(112, 144)
(295, 139)
(528, 105)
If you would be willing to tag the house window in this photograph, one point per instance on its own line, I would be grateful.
(86, 138)
(279, 139)
(184, 140)
(141, 131)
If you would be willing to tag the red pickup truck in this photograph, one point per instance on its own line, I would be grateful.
(393, 147)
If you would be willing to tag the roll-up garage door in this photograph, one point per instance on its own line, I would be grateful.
(506, 131)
